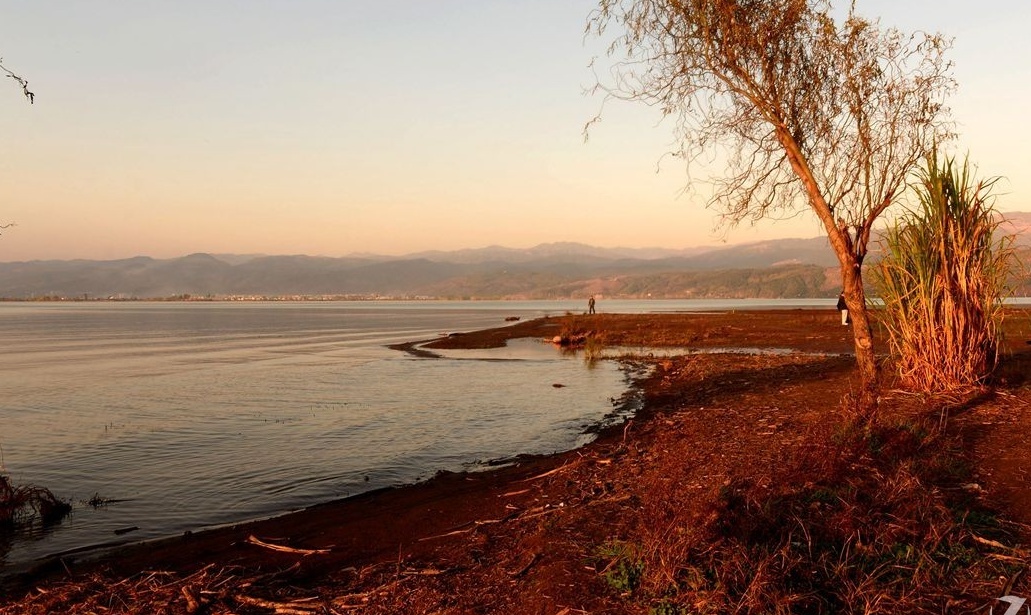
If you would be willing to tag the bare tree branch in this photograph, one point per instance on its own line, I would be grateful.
(28, 94)
(24, 84)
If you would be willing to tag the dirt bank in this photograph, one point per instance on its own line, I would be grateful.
(742, 485)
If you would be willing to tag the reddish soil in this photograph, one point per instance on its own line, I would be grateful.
(729, 451)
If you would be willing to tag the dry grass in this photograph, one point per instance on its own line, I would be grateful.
(942, 280)
(210, 590)
(880, 520)
(878, 534)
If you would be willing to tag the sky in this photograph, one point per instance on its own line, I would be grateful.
(333, 127)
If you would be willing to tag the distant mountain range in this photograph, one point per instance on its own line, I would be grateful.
(766, 269)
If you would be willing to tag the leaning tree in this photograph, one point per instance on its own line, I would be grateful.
(807, 105)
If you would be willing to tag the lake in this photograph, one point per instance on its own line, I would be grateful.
(182, 416)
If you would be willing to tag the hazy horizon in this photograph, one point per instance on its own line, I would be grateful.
(336, 128)
(217, 253)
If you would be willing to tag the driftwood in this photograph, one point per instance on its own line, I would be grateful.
(304, 606)
(548, 473)
(254, 540)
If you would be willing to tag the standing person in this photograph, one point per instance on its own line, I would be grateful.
(590, 305)
(844, 309)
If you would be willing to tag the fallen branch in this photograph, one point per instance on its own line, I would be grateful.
(473, 525)
(426, 572)
(546, 474)
(281, 608)
(452, 533)
(192, 603)
(998, 545)
(544, 510)
(514, 493)
(254, 540)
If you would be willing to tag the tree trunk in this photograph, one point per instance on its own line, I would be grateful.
(862, 333)
(850, 256)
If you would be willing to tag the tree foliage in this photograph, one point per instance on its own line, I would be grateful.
(808, 106)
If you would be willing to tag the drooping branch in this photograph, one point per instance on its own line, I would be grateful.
(22, 82)
(28, 94)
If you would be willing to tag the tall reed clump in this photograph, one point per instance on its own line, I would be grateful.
(942, 279)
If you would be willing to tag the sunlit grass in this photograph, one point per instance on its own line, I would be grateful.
(942, 280)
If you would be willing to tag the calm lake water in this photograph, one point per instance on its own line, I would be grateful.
(187, 415)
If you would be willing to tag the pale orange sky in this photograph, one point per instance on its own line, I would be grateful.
(332, 127)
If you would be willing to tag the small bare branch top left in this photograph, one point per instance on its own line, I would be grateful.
(24, 84)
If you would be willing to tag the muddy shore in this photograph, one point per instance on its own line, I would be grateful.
(544, 534)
